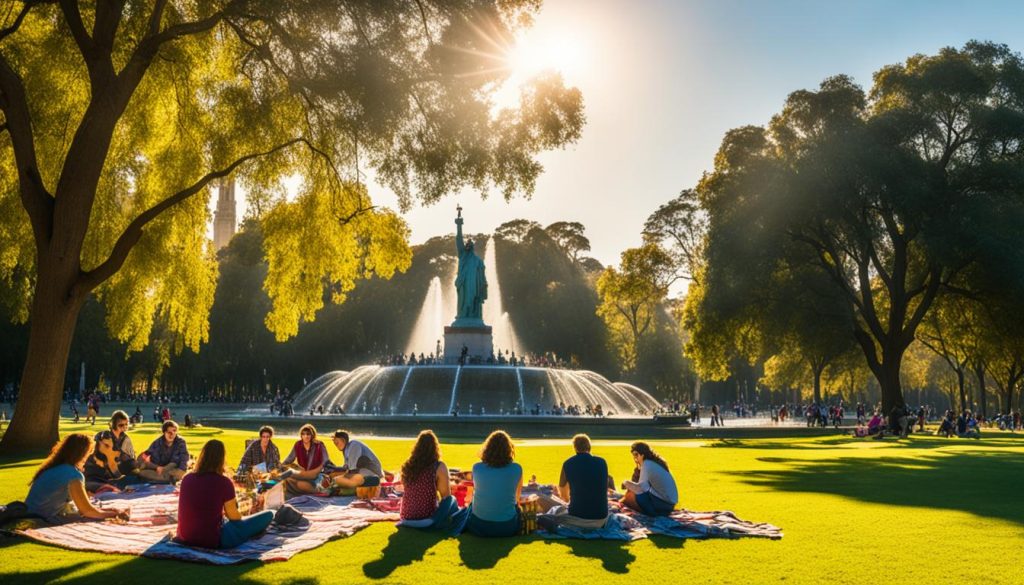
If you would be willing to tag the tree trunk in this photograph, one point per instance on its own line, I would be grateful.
(54, 317)
(963, 397)
(979, 371)
(888, 375)
(817, 384)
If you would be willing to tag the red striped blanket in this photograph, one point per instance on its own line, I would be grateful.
(152, 526)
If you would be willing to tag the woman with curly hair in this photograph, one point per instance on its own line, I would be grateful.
(425, 479)
(652, 490)
(497, 481)
(59, 482)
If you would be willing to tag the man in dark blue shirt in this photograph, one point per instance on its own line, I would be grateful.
(584, 484)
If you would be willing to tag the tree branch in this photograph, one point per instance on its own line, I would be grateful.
(107, 19)
(150, 45)
(922, 308)
(423, 16)
(156, 16)
(73, 17)
(18, 121)
(131, 234)
(29, 4)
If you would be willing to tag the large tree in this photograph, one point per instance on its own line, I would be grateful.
(117, 115)
(569, 235)
(885, 191)
(631, 297)
(680, 226)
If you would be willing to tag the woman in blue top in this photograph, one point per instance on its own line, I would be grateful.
(497, 481)
(59, 481)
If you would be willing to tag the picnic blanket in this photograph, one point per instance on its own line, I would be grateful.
(720, 524)
(619, 527)
(684, 524)
(153, 525)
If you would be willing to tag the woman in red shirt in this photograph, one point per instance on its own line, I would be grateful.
(311, 456)
(206, 497)
(425, 479)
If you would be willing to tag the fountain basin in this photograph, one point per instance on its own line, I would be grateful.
(483, 389)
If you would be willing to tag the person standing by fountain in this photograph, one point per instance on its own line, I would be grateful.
(471, 282)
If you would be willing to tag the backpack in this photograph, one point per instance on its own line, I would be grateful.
(13, 511)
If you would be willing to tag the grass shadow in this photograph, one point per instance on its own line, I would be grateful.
(942, 481)
(918, 441)
(48, 575)
(614, 555)
(405, 546)
(155, 571)
(484, 553)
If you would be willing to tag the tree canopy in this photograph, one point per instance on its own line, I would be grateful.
(882, 193)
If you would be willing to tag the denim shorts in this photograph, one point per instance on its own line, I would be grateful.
(653, 505)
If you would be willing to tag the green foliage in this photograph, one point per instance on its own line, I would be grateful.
(306, 244)
(632, 295)
(879, 196)
(681, 226)
(569, 237)
(516, 230)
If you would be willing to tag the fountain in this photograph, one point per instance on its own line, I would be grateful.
(453, 383)
(438, 389)
(430, 322)
(494, 313)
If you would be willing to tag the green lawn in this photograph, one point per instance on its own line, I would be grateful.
(853, 511)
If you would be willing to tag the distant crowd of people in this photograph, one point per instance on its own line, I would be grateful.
(500, 358)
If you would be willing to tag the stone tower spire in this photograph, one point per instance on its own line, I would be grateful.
(224, 216)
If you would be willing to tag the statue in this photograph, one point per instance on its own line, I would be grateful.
(471, 283)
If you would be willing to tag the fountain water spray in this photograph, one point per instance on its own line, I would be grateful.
(504, 334)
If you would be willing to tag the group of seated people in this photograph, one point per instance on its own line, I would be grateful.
(581, 501)
(114, 464)
(965, 425)
(209, 516)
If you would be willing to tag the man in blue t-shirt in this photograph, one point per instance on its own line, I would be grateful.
(584, 484)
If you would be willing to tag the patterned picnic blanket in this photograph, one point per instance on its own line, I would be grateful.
(684, 524)
(153, 525)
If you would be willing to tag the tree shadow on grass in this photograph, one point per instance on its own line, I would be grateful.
(483, 553)
(914, 442)
(48, 575)
(156, 571)
(985, 483)
(614, 555)
(405, 546)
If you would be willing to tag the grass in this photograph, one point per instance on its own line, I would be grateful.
(852, 511)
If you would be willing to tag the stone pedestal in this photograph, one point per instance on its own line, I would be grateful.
(477, 339)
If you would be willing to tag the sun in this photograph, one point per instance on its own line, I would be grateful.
(536, 53)
(531, 56)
